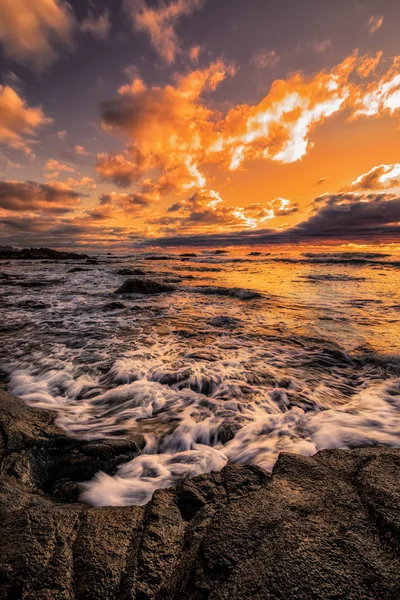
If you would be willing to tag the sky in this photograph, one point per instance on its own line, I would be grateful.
(173, 123)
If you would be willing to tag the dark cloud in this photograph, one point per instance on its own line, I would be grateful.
(22, 196)
(341, 217)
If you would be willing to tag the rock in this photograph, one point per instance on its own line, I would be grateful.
(144, 286)
(324, 527)
(223, 321)
(188, 255)
(157, 257)
(217, 252)
(130, 272)
(92, 261)
(39, 254)
(113, 306)
(254, 254)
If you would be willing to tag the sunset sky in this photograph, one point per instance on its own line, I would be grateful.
(199, 122)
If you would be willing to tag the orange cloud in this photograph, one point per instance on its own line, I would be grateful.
(176, 134)
(205, 209)
(55, 165)
(159, 23)
(381, 177)
(18, 122)
(375, 23)
(81, 151)
(31, 30)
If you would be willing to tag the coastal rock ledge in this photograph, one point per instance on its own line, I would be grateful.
(326, 527)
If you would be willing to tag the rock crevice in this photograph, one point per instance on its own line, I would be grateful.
(321, 527)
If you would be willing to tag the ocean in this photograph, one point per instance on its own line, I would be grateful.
(250, 353)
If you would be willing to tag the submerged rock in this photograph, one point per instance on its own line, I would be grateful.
(323, 527)
(144, 286)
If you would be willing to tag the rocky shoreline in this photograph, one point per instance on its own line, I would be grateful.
(322, 527)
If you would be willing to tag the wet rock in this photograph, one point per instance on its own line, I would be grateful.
(325, 527)
(188, 255)
(224, 321)
(92, 261)
(113, 306)
(130, 272)
(39, 254)
(255, 254)
(217, 252)
(144, 286)
(157, 257)
(239, 293)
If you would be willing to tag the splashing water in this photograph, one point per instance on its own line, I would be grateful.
(249, 357)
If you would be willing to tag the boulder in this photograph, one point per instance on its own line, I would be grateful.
(138, 285)
(323, 527)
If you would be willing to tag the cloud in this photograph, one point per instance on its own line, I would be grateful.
(265, 59)
(97, 26)
(84, 182)
(322, 46)
(159, 22)
(362, 218)
(170, 128)
(81, 151)
(194, 53)
(27, 196)
(375, 23)
(381, 96)
(64, 232)
(118, 169)
(19, 122)
(55, 165)
(205, 209)
(380, 177)
(118, 204)
(174, 133)
(369, 64)
(33, 31)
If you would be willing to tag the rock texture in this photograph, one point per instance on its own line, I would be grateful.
(140, 285)
(326, 527)
(7, 252)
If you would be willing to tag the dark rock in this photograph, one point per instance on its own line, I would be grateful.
(221, 252)
(188, 255)
(326, 527)
(113, 306)
(255, 254)
(224, 321)
(144, 286)
(130, 272)
(157, 257)
(39, 254)
(92, 261)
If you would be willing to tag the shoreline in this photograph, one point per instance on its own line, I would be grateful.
(328, 524)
